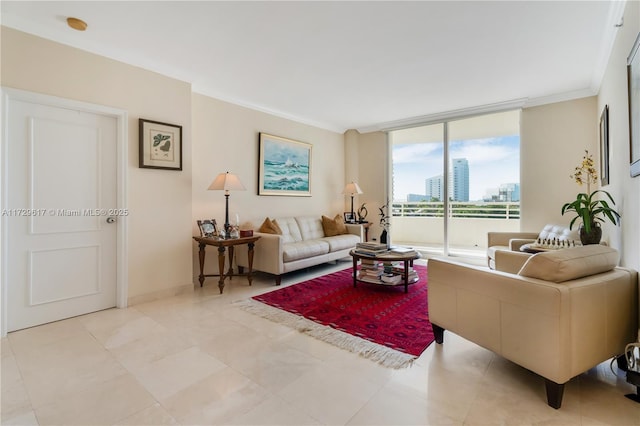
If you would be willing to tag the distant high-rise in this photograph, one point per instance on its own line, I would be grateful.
(416, 198)
(509, 192)
(435, 188)
(460, 179)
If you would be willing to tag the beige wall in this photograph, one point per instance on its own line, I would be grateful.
(553, 140)
(624, 189)
(226, 138)
(159, 201)
(372, 153)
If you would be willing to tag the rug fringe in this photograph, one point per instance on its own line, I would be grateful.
(383, 355)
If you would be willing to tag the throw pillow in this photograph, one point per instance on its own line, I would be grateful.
(570, 264)
(333, 226)
(276, 227)
(268, 227)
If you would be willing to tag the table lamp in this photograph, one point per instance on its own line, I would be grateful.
(352, 189)
(227, 182)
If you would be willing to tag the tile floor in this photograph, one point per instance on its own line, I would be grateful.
(198, 359)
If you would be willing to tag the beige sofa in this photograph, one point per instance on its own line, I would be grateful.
(510, 242)
(302, 244)
(563, 313)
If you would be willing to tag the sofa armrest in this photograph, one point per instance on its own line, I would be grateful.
(516, 243)
(355, 229)
(503, 238)
(267, 254)
(510, 261)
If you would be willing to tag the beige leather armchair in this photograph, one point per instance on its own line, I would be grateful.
(563, 313)
(511, 242)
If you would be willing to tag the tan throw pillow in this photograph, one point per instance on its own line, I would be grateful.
(276, 227)
(570, 264)
(333, 226)
(269, 227)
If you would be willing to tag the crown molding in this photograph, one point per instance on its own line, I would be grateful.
(275, 113)
(444, 116)
(560, 97)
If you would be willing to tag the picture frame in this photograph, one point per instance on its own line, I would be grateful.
(349, 217)
(284, 166)
(604, 146)
(208, 228)
(633, 82)
(160, 145)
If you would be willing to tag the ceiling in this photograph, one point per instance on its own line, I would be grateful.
(340, 65)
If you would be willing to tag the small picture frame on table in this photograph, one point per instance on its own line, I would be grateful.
(208, 228)
(349, 217)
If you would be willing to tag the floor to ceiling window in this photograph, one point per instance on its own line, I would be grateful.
(452, 182)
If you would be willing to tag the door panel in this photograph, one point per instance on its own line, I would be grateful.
(72, 163)
(61, 252)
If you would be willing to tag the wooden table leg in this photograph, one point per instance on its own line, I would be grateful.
(221, 268)
(406, 276)
(250, 258)
(230, 272)
(355, 270)
(201, 257)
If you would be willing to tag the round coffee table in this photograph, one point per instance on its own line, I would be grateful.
(407, 260)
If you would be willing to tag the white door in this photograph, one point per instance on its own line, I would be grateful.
(59, 212)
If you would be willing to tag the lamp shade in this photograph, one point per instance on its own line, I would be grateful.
(228, 182)
(352, 188)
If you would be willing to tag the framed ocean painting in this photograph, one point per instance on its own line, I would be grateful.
(285, 167)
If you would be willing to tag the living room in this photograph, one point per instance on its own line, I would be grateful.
(220, 136)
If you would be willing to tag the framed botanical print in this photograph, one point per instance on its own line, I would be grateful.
(604, 146)
(160, 145)
(633, 81)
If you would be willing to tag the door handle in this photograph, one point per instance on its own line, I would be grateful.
(111, 219)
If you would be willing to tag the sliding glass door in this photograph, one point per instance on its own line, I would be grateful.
(455, 181)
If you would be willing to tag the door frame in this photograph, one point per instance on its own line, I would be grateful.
(122, 267)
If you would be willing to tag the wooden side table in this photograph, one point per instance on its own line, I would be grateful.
(222, 245)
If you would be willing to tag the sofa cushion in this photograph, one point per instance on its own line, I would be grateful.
(310, 227)
(270, 227)
(290, 230)
(570, 264)
(342, 242)
(333, 226)
(304, 249)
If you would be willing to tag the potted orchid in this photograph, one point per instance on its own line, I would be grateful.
(587, 207)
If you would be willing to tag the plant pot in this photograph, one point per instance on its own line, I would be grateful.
(383, 237)
(592, 237)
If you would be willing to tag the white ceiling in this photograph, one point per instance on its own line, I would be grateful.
(348, 65)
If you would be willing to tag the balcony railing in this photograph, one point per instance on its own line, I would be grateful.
(421, 224)
(485, 210)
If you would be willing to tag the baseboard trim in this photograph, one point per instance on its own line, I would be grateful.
(160, 294)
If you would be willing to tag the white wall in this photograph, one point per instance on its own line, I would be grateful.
(159, 201)
(624, 189)
(226, 137)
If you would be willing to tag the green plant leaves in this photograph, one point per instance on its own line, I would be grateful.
(590, 210)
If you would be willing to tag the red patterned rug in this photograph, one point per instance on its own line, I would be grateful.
(382, 323)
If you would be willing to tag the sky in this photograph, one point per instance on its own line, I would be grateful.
(492, 161)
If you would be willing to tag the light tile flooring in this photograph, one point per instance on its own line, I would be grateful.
(198, 359)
